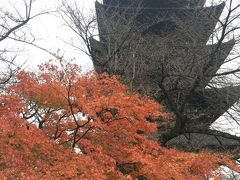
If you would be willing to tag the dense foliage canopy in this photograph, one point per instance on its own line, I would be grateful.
(61, 123)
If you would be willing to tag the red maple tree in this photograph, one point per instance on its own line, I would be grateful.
(89, 127)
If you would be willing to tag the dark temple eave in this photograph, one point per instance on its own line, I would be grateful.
(199, 141)
(215, 59)
(156, 3)
(197, 22)
(98, 52)
(210, 61)
(209, 104)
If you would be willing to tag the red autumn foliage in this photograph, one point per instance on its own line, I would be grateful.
(96, 115)
(27, 153)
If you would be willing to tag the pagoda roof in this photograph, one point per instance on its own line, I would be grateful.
(215, 59)
(99, 50)
(207, 60)
(196, 23)
(155, 3)
(209, 104)
(198, 141)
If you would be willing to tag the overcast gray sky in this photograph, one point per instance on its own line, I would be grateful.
(49, 32)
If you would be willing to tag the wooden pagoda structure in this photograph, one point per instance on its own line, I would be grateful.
(161, 48)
